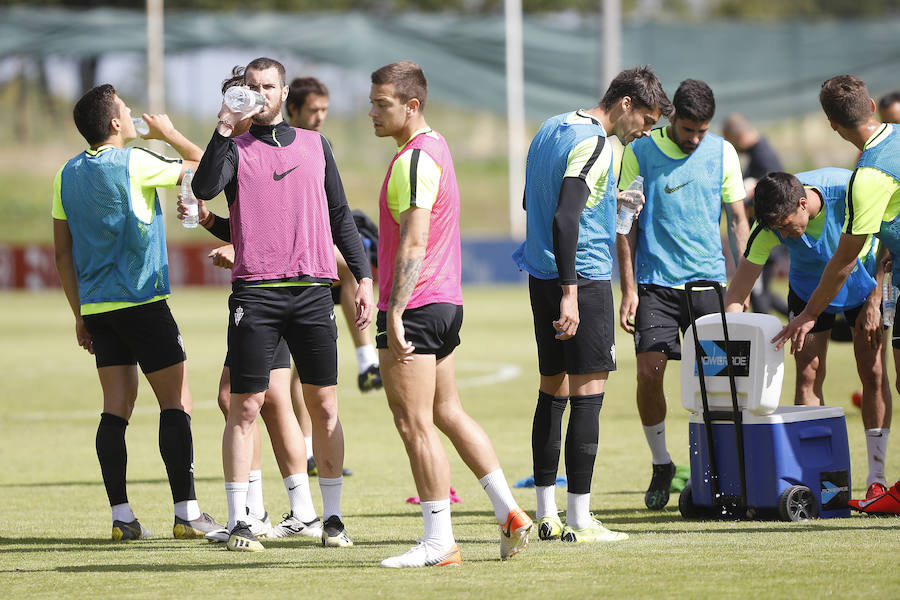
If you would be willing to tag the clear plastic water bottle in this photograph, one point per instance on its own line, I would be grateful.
(888, 300)
(632, 200)
(243, 100)
(140, 125)
(192, 217)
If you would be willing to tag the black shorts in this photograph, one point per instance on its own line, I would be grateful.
(825, 322)
(145, 334)
(258, 319)
(662, 311)
(281, 360)
(432, 329)
(593, 348)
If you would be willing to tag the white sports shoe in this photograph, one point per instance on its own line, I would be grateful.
(291, 526)
(261, 528)
(423, 555)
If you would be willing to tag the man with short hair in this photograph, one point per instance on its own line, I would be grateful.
(109, 237)
(889, 108)
(689, 175)
(287, 211)
(873, 203)
(307, 103)
(806, 214)
(570, 204)
(419, 319)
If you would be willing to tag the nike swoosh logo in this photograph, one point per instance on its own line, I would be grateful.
(434, 512)
(865, 503)
(279, 176)
(293, 488)
(676, 188)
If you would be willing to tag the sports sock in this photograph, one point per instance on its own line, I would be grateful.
(122, 512)
(299, 496)
(581, 441)
(236, 494)
(438, 528)
(331, 495)
(876, 450)
(176, 446)
(546, 501)
(113, 457)
(187, 510)
(255, 505)
(494, 483)
(546, 437)
(366, 357)
(578, 510)
(308, 441)
(656, 439)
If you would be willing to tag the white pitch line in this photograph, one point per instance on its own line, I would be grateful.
(496, 373)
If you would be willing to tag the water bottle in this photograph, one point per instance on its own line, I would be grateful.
(192, 218)
(888, 300)
(632, 200)
(244, 101)
(140, 125)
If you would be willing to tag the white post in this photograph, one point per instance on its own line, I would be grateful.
(515, 116)
(156, 93)
(156, 89)
(612, 42)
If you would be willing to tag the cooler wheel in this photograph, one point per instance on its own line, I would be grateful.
(686, 506)
(797, 503)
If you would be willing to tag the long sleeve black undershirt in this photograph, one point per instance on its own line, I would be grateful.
(217, 172)
(573, 196)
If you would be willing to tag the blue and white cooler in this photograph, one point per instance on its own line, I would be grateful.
(796, 458)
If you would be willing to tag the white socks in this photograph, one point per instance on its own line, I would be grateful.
(497, 489)
(331, 495)
(366, 357)
(546, 501)
(297, 487)
(438, 529)
(578, 510)
(236, 494)
(656, 439)
(255, 506)
(876, 449)
(187, 510)
(122, 512)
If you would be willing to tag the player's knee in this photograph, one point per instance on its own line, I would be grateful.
(650, 373)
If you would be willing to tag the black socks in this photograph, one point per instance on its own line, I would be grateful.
(113, 457)
(581, 441)
(546, 434)
(176, 446)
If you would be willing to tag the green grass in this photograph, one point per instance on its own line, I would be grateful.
(54, 526)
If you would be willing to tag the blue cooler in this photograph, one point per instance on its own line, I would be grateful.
(794, 445)
(787, 449)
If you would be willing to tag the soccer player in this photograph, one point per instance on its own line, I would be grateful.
(306, 107)
(287, 210)
(276, 411)
(806, 213)
(419, 318)
(109, 238)
(689, 175)
(570, 204)
(873, 202)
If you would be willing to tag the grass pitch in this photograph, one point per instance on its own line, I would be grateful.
(54, 526)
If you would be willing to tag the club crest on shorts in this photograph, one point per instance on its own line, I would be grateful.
(238, 315)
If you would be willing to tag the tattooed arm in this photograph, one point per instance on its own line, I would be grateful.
(414, 225)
